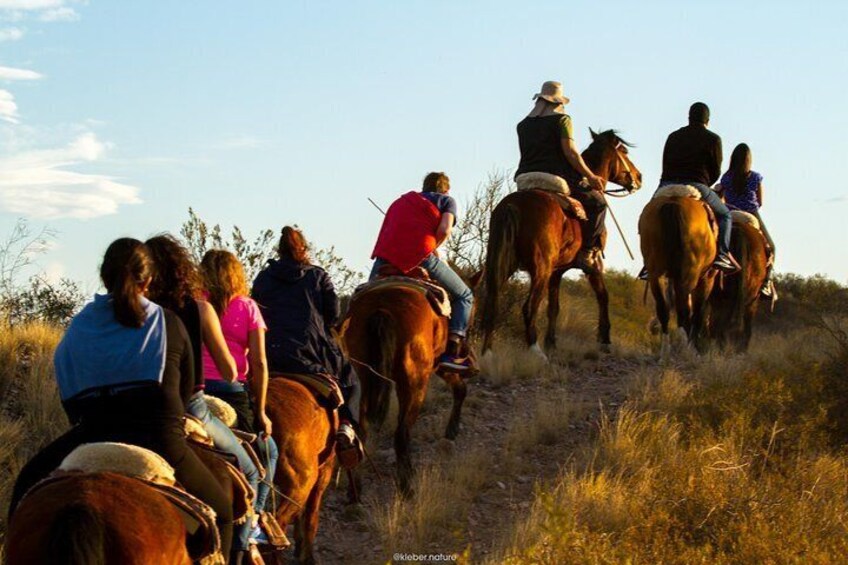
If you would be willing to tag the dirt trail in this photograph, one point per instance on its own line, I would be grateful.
(491, 414)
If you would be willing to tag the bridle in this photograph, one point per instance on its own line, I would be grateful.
(622, 191)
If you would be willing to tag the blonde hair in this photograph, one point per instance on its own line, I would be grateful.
(223, 277)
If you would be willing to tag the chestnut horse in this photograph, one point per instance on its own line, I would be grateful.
(96, 518)
(528, 231)
(734, 302)
(679, 247)
(305, 434)
(393, 337)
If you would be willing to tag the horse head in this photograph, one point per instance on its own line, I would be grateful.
(608, 155)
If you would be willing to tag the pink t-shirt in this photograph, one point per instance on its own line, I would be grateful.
(240, 318)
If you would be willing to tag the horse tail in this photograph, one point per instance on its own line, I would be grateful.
(671, 223)
(77, 537)
(500, 260)
(382, 344)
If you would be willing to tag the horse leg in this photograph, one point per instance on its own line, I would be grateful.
(538, 283)
(306, 526)
(697, 329)
(746, 328)
(459, 389)
(409, 403)
(662, 317)
(553, 308)
(596, 279)
(682, 301)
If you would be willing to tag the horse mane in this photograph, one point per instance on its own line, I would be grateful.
(609, 136)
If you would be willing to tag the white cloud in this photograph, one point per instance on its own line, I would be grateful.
(11, 73)
(11, 34)
(63, 14)
(29, 4)
(8, 108)
(37, 184)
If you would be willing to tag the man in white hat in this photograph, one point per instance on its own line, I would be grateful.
(546, 141)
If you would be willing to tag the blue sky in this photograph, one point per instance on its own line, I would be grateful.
(115, 117)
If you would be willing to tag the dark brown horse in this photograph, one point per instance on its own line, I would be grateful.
(679, 246)
(529, 232)
(96, 519)
(305, 434)
(393, 338)
(734, 302)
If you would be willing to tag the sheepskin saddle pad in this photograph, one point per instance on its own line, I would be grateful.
(121, 458)
(437, 296)
(741, 217)
(149, 467)
(221, 410)
(677, 191)
(556, 187)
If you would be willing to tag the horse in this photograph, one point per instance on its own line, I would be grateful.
(679, 246)
(305, 433)
(97, 519)
(734, 303)
(528, 231)
(393, 337)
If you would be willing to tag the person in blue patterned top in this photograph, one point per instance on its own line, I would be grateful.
(742, 189)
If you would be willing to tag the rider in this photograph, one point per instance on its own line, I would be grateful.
(692, 156)
(300, 306)
(416, 224)
(125, 370)
(175, 285)
(546, 141)
(244, 331)
(742, 189)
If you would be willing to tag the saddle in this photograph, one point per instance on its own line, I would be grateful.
(554, 186)
(324, 387)
(687, 191)
(143, 465)
(415, 280)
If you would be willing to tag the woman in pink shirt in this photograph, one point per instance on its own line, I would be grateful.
(244, 332)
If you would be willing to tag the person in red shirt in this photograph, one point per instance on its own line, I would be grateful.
(416, 224)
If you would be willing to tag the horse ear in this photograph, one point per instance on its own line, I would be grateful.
(594, 135)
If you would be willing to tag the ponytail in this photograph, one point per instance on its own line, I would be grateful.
(126, 265)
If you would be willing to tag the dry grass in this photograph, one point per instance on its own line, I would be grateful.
(731, 462)
(30, 412)
(437, 512)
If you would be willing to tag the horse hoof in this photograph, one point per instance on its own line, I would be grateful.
(537, 351)
(605, 348)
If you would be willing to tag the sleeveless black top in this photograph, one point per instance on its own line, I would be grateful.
(189, 314)
(541, 149)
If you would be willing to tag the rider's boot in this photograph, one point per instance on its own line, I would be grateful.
(348, 446)
(458, 357)
(726, 263)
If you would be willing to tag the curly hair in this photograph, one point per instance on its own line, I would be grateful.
(223, 277)
(177, 278)
(293, 246)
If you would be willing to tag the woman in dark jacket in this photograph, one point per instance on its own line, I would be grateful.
(300, 305)
(125, 370)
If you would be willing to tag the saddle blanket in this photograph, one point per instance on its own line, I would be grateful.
(556, 187)
(436, 295)
(742, 217)
(677, 191)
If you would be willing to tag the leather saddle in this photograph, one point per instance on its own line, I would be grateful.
(417, 279)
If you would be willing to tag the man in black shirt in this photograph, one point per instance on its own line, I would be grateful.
(692, 156)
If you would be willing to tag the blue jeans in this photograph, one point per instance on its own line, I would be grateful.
(722, 213)
(225, 440)
(461, 297)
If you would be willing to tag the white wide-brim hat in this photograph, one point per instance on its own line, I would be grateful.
(552, 92)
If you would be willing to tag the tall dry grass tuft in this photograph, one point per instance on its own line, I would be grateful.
(730, 462)
(31, 414)
(437, 512)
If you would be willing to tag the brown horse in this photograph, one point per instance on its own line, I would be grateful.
(679, 246)
(529, 232)
(734, 303)
(96, 519)
(393, 337)
(305, 434)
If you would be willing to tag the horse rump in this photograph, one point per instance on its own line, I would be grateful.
(77, 537)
